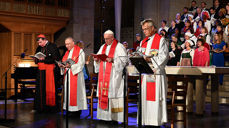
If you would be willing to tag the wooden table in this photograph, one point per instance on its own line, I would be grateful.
(197, 74)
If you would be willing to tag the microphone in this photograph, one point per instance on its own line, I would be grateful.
(23, 54)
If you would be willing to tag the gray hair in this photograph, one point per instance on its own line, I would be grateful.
(149, 21)
(70, 38)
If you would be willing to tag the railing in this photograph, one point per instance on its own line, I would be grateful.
(42, 8)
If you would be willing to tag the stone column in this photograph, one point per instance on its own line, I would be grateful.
(118, 10)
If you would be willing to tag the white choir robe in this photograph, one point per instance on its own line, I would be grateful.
(155, 112)
(81, 91)
(115, 95)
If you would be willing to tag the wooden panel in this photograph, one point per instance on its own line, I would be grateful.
(5, 56)
(28, 43)
(17, 44)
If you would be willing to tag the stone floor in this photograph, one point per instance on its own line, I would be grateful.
(24, 117)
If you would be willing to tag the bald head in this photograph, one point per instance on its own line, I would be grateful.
(69, 43)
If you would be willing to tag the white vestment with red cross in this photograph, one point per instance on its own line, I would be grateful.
(154, 87)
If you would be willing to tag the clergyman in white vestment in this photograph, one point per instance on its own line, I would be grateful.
(110, 81)
(154, 87)
(77, 92)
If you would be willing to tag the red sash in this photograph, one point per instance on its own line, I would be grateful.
(151, 86)
(104, 79)
(73, 78)
(50, 83)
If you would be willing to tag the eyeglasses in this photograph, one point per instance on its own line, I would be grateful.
(146, 29)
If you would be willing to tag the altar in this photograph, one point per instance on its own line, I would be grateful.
(198, 74)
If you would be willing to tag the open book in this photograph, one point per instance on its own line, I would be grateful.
(102, 57)
(69, 61)
(38, 55)
(171, 54)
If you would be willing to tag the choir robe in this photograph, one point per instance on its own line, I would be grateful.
(77, 68)
(116, 86)
(46, 90)
(155, 112)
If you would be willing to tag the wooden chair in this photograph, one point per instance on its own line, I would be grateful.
(90, 95)
(177, 91)
(133, 89)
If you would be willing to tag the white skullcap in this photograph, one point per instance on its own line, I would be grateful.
(190, 15)
(190, 42)
(188, 34)
(109, 32)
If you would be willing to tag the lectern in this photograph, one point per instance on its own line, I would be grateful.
(143, 68)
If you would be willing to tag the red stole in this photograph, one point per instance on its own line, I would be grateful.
(151, 86)
(104, 78)
(50, 83)
(73, 78)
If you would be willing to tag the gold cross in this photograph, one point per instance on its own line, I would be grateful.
(105, 89)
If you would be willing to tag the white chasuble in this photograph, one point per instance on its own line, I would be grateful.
(116, 86)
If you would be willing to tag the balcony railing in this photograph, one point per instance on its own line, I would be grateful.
(50, 8)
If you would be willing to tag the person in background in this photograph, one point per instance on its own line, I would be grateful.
(197, 16)
(171, 30)
(80, 43)
(128, 50)
(197, 29)
(187, 54)
(212, 16)
(179, 22)
(184, 17)
(217, 7)
(137, 42)
(193, 7)
(176, 41)
(218, 48)
(174, 55)
(163, 26)
(207, 38)
(201, 54)
(186, 27)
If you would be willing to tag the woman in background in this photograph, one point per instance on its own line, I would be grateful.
(218, 48)
(201, 55)
(174, 55)
(187, 54)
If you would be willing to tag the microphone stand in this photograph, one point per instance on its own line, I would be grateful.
(67, 97)
(5, 97)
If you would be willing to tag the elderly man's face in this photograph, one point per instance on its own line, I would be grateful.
(69, 44)
(148, 30)
(108, 38)
(41, 42)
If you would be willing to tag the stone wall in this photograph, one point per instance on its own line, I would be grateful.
(81, 25)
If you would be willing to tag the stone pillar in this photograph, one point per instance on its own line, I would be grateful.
(200, 97)
(118, 10)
